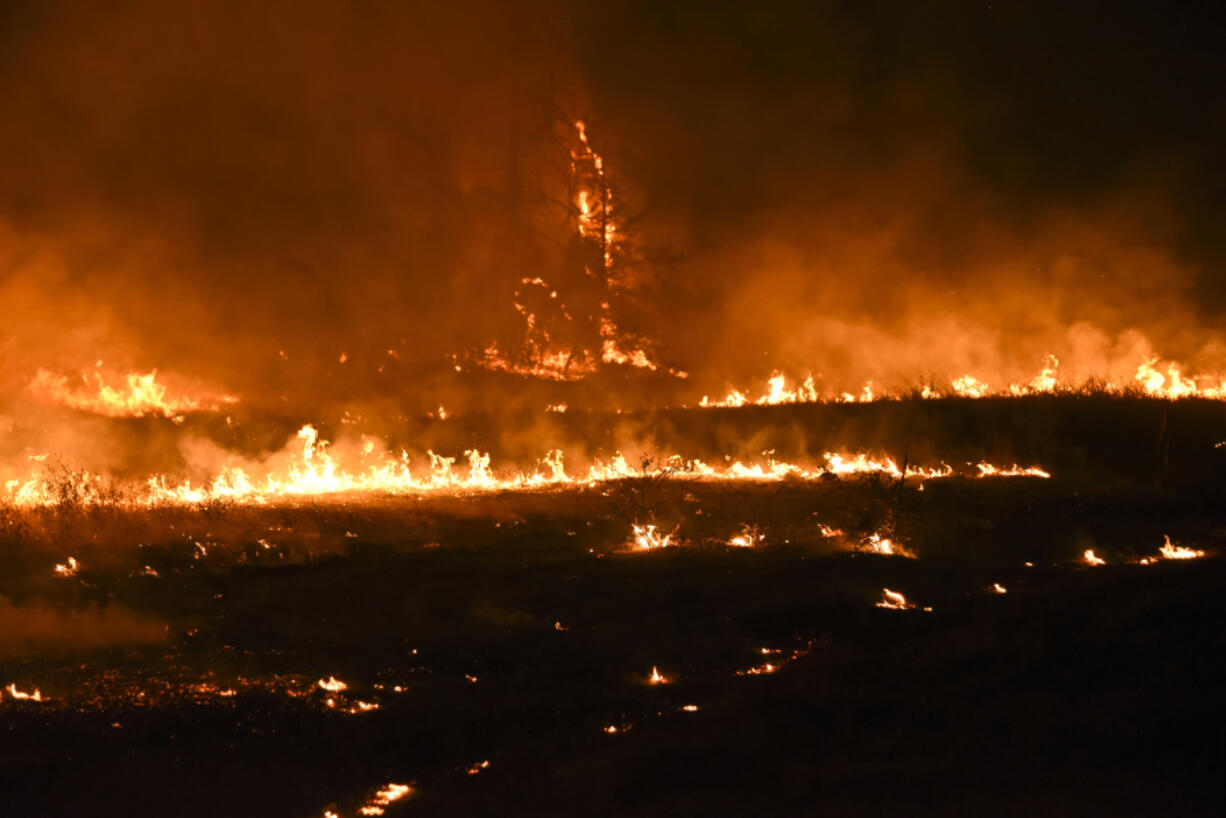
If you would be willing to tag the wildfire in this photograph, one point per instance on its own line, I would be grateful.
(314, 471)
(1178, 552)
(883, 546)
(1092, 559)
(332, 685)
(748, 538)
(598, 228)
(988, 470)
(656, 678)
(647, 538)
(1148, 380)
(138, 394)
(998, 588)
(68, 568)
(382, 798)
(894, 601)
(775, 664)
(19, 695)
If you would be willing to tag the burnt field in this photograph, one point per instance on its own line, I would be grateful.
(514, 653)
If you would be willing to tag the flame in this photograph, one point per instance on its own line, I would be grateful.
(316, 472)
(1092, 559)
(970, 387)
(748, 538)
(998, 588)
(1148, 380)
(1178, 552)
(894, 601)
(884, 546)
(382, 798)
(19, 695)
(139, 394)
(758, 670)
(988, 470)
(332, 685)
(67, 569)
(655, 678)
(646, 538)
(597, 225)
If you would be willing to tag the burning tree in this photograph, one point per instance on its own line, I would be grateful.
(574, 320)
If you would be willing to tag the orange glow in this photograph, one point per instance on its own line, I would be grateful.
(314, 471)
(1149, 380)
(382, 798)
(138, 394)
(884, 546)
(68, 568)
(646, 538)
(988, 470)
(894, 601)
(1092, 559)
(332, 685)
(748, 538)
(1178, 552)
(656, 678)
(19, 695)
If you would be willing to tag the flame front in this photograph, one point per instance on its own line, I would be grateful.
(314, 472)
(138, 394)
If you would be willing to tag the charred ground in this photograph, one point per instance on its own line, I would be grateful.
(518, 630)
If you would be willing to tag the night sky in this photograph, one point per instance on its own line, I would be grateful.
(858, 189)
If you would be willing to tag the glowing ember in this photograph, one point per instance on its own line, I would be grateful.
(332, 685)
(1091, 558)
(478, 767)
(19, 695)
(998, 588)
(67, 569)
(382, 798)
(748, 538)
(894, 601)
(690, 708)
(988, 470)
(884, 546)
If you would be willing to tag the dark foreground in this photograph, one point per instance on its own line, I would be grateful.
(181, 675)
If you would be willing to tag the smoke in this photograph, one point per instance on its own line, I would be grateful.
(316, 204)
(866, 193)
(42, 630)
(244, 195)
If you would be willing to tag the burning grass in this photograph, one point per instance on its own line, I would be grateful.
(330, 642)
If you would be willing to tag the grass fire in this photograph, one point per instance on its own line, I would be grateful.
(510, 408)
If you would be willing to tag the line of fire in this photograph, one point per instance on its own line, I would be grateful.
(512, 408)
